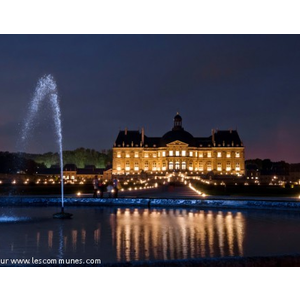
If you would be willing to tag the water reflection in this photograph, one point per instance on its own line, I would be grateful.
(177, 234)
(121, 234)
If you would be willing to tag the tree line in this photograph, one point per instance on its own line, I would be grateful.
(12, 163)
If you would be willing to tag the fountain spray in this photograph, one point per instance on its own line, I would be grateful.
(46, 89)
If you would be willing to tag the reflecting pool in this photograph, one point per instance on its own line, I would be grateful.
(137, 234)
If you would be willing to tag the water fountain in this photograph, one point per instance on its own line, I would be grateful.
(46, 89)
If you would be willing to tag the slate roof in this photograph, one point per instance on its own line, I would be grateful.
(227, 138)
(222, 138)
(131, 136)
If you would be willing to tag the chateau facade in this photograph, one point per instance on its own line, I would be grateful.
(222, 153)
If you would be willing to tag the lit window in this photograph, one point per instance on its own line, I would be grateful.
(228, 166)
(200, 154)
(171, 166)
(183, 153)
(200, 167)
(127, 166)
(164, 153)
(228, 154)
(183, 165)
(219, 167)
(154, 166)
(118, 168)
(191, 153)
(177, 153)
(118, 154)
(146, 166)
(219, 154)
(127, 154)
(136, 166)
(209, 166)
(154, 155)
(136, 154)
(208, 154)
(237, 167)
(191, 167)
(177, 165)
(146, 155)
(237, 154)
(164, 166)
(171, 153)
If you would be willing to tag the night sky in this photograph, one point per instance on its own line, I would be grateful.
(108, 82)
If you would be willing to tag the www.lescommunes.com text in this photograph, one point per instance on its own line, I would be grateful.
(49, 261)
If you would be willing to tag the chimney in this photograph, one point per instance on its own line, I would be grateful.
(125, 130)
(143, 135)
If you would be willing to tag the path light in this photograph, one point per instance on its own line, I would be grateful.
(78, 194)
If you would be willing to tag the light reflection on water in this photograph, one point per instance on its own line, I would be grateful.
(173, 234)
(122, 234)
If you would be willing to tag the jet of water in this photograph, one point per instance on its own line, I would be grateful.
(46, 89)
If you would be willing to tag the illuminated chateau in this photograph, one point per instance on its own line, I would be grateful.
(222, 153)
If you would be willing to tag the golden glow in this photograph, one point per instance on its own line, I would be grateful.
(124, 161)
(176, 234)
(230, 233)
(97, 236)
(50, 238)
(74, 239)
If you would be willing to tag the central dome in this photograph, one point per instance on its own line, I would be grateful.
(180, 135)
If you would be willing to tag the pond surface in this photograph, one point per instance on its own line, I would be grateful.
(137, 234)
